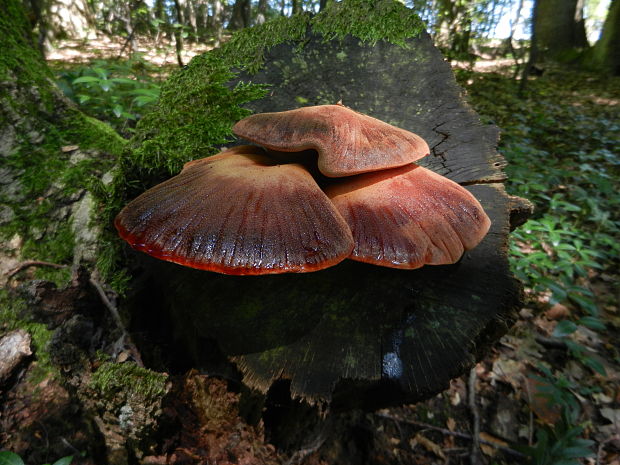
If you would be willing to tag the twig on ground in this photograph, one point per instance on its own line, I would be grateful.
(125, 338)
(457, 434)
(28, 263)
(475, 417)
(551, 342)
(300, 455)
(530, 427)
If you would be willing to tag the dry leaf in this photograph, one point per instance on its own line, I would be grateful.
(429, 445)
(69, 148)
(451, 423)
(558, 312)
(613, 415)
(539, 404)
(490, 450)
(508, 371)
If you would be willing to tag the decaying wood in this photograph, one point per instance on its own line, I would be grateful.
(357, 334)
(14, 348)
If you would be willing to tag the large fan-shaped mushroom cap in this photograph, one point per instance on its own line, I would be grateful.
(409, 217)
(348, 142)
(238, 212)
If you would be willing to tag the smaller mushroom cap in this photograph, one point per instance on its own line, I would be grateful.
(348, 142)
(241, 213)
(409, 217)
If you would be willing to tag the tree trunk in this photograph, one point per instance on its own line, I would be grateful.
(56, 19)
(261, 10)
(453, 26)
(605, 55)
(240, 15)
(49, 152)
(296, 7)
(559, 28)
(178, 33)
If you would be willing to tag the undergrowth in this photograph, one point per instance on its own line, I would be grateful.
(561, 142)
(117, 91)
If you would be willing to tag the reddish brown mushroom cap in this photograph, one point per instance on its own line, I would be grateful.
(238, 213)
(348, 142)
(409, 217)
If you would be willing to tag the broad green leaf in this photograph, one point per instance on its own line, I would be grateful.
(577, 452)
(86, 79)
(564, 328)
(64, 461)
(592, 322)
(595, 365)
(10, 458)
(132, 82)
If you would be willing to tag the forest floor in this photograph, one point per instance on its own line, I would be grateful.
(549, 391)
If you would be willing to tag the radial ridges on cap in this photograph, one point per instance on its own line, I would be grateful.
(348, 142)
(409, 217)
(238, 213)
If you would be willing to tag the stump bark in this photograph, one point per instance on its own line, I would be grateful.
(355, 334)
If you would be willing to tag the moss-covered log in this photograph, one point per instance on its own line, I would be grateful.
(353, 334)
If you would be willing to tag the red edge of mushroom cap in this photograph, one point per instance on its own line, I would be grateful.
(409, 217)
(238, 213)
(348, 142)
(241, 212)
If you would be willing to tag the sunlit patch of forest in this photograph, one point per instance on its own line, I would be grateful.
(547, 73)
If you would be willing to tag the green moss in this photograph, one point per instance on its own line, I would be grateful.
(48, 177)
(12, 315)
(20, 59)
(129, 380)
(44, 123)
(90, 133)
(55, 246)
(370, 21)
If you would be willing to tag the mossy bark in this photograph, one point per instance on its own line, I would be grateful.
(50, 154)
(42, 182)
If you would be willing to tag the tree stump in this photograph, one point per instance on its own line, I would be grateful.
(356, 334)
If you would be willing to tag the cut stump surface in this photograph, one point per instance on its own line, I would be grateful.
(357, 334)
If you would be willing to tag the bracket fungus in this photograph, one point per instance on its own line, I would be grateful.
(243, 212)
(348, 142)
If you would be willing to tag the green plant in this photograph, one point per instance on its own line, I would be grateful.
(561, 157)
(118, 92)
(11, 458)
(560, 444)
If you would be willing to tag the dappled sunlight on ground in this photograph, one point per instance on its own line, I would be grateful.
(162, 53)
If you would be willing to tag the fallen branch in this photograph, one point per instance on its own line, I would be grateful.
(475, 417)
(551, 342)
(28, 263)
(457, 434)
(125, 338)
(299, 456)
